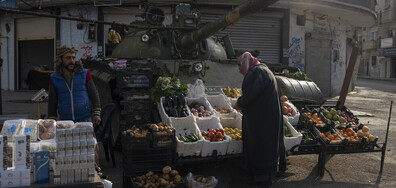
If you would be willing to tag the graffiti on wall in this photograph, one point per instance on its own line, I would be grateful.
(296, 53)
(87, 51)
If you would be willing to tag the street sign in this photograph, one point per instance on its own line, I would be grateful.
(8, 3)
(387, 52)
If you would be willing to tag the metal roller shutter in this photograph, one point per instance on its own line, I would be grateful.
(261, 31)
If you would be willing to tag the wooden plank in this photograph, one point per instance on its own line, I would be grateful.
(348, 76)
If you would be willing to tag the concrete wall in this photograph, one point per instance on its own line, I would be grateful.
(70, 35)
(333, 27)
(7, 52)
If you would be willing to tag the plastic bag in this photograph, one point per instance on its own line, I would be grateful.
(197, 90)
(192, 181)
(12, 128)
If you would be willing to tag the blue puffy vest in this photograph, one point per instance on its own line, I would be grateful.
(73, 102)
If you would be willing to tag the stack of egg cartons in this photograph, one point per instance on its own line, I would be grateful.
(75, 158)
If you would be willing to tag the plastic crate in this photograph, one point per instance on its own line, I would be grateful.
(142, 78)
(164, 116)
(137, 161)
(208, 147)
(137, 116)
(163, 140)
(296, 136)
(220, 102)
(234, 146)
(130, 143)
(203, 101)
(131, 106)
(183, 127)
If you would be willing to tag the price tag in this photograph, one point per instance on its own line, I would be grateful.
(11, 128)
(28, 131)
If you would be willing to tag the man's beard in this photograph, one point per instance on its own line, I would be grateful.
(69, 66)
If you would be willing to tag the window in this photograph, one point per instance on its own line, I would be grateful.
(373, 60)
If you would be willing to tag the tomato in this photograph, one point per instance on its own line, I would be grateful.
(349, 130)
(330, 137)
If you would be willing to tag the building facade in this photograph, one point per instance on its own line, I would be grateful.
(317, 37)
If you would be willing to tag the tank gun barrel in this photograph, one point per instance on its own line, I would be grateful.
(245, 9)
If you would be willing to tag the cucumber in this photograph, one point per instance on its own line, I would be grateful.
(182, 138)
(195, 137)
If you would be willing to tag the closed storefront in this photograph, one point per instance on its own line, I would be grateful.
(261, 31)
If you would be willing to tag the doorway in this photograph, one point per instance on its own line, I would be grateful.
(36, 58)
(318, 63)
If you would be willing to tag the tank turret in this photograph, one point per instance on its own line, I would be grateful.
(183, 39)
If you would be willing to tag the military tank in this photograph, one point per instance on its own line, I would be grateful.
(186, 49)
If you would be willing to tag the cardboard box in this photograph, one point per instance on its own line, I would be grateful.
(91, 146)
(57, 177)
(60, 135)
(21, 153)
(77, 176)
(59, 163)
(67, 162)
(83, 161)
(90, 161)
(69, 148)
(83, 133)
(61, 149)
(41, 167)
(76, 134)
(76, 147)
(90, 132)
(63, 176)
(83, 147)
(84, 175)
(75, 162)
(69, 135)
(70, 176)
(3, 153)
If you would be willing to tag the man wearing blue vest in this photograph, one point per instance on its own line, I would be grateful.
(72, 92)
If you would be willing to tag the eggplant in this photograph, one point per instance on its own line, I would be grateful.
(174, 113)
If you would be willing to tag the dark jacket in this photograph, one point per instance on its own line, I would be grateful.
(262, 120)
(72, 102)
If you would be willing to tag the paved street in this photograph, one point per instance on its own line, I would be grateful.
(370, 101)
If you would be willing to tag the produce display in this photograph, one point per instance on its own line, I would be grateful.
(168, 87)
(287, 132)
(168, 178)
(175, 106)
(223, 110)
(314, 118)
(47, 129)
(162, 129)
(339, 117)
(307, 137)
(232, 92)
(298, 76)
(199, 110)
(349, 134)
(213, 135)
(63, 126)
(332, 137)
(365, 134)
(188, 138)
(136, 132)
(234, 133)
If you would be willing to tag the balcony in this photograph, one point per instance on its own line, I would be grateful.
(360, 13)
(369, 45)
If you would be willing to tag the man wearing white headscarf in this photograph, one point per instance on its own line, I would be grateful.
(262, 123)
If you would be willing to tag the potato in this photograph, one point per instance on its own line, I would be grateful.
(166, 169)
(177, 178)
(166, 176)
(149, 174)
(174, 172)
(163, 182)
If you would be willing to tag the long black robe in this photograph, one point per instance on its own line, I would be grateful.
(262, 121)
